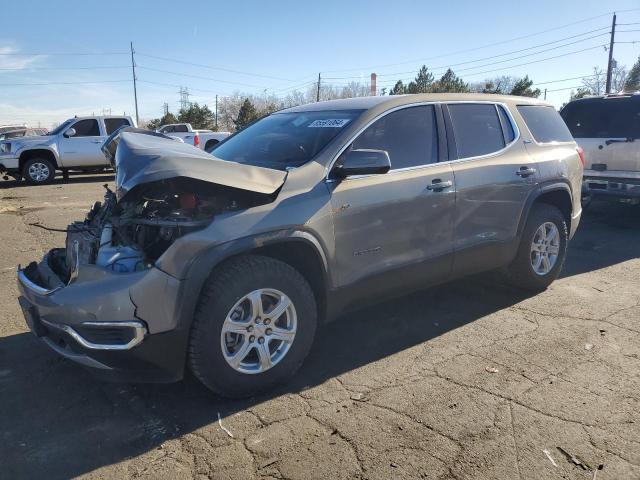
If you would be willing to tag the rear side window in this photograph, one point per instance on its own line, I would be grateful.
(180, 129)
(408, 135)
(86, 128)
(477, 129)
(545, 124)
(603, 118)
(113, 124)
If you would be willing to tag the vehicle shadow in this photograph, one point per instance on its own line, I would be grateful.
(73, 178)
(608, 235)
(59, 421)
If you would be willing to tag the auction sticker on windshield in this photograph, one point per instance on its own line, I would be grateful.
(329, 123)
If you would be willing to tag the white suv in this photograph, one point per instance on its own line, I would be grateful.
(608, 130)
(74, 145)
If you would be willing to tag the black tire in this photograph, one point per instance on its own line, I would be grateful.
(521, 272)
(210, 144)
(226, 286)
(43, 165)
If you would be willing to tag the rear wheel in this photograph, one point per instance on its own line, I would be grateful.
(38, 171)
(253, 327)
(542, 250)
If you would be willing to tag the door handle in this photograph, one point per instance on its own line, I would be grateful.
(438, 185)
(97, 141)
(525, 172)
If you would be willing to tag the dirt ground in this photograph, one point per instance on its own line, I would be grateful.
(470, 380)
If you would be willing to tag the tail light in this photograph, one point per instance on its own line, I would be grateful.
(188, 201)
(196, 140)
(581, 155)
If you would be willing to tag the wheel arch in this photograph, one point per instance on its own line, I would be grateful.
(300, 249)
(557, 194)
(38, 153)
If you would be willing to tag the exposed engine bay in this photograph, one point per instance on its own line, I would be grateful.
(130, 234)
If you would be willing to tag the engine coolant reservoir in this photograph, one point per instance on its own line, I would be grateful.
(122, 259)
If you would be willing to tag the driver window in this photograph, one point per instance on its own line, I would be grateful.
(408, 135)
(86, 128)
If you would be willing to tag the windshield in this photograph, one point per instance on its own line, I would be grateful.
(60, 127)
(284, 140)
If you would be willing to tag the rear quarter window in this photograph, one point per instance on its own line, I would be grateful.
(545, 124)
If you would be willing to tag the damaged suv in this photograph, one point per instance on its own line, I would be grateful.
(227, 263)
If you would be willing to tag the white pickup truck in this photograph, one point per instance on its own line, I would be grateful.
(73, 146)
(203, 139)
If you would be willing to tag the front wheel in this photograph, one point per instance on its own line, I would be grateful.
(38, 171)
(542, 250)
(253, 327)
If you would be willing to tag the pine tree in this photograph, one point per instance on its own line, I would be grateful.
(523, 88)
(198, 116)
(398, 89)
(633, 79)
(423, 81)
(247, 114)
(450, 82)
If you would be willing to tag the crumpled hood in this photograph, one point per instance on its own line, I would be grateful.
(141, 156)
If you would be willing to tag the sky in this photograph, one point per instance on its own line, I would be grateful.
(73, 58)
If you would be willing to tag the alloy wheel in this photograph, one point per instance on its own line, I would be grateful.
(545, 248)
(258, 331)
(38, 172)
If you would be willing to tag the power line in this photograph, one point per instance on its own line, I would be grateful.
(523, 64)
(215, 68)
(59, 83)
(101, 67)
(502, 42)
(199, 77)
(31, 54)
(504, 54)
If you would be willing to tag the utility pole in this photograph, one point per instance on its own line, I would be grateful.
(165, 108)
(318, 94)
(545, 93)
(610, 64)
(135, 90)
(216, 112)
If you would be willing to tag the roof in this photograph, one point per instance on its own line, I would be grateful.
(366, 103)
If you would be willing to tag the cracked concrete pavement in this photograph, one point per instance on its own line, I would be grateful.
(469, 380)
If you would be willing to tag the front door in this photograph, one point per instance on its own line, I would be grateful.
(83, 148)
(395, 229)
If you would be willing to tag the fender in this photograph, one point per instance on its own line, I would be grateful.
(51, 148)
(542, 188)
(201, 266)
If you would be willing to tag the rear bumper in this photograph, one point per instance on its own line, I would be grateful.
(608, 184)
(95, 322)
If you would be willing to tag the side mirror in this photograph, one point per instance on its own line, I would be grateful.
(70, 132)
(363, 162)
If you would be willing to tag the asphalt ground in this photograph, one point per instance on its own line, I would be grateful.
(469, 380)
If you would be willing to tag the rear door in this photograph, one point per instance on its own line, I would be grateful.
(494, 176)
(114, 123)
(83, 149)
(397, 225)
(608, 129)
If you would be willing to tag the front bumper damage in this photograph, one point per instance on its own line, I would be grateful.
(102, 301)
(121, 325)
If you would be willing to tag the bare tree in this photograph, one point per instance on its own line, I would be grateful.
(596, 83)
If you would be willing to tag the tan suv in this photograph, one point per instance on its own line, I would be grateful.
(228, 262)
